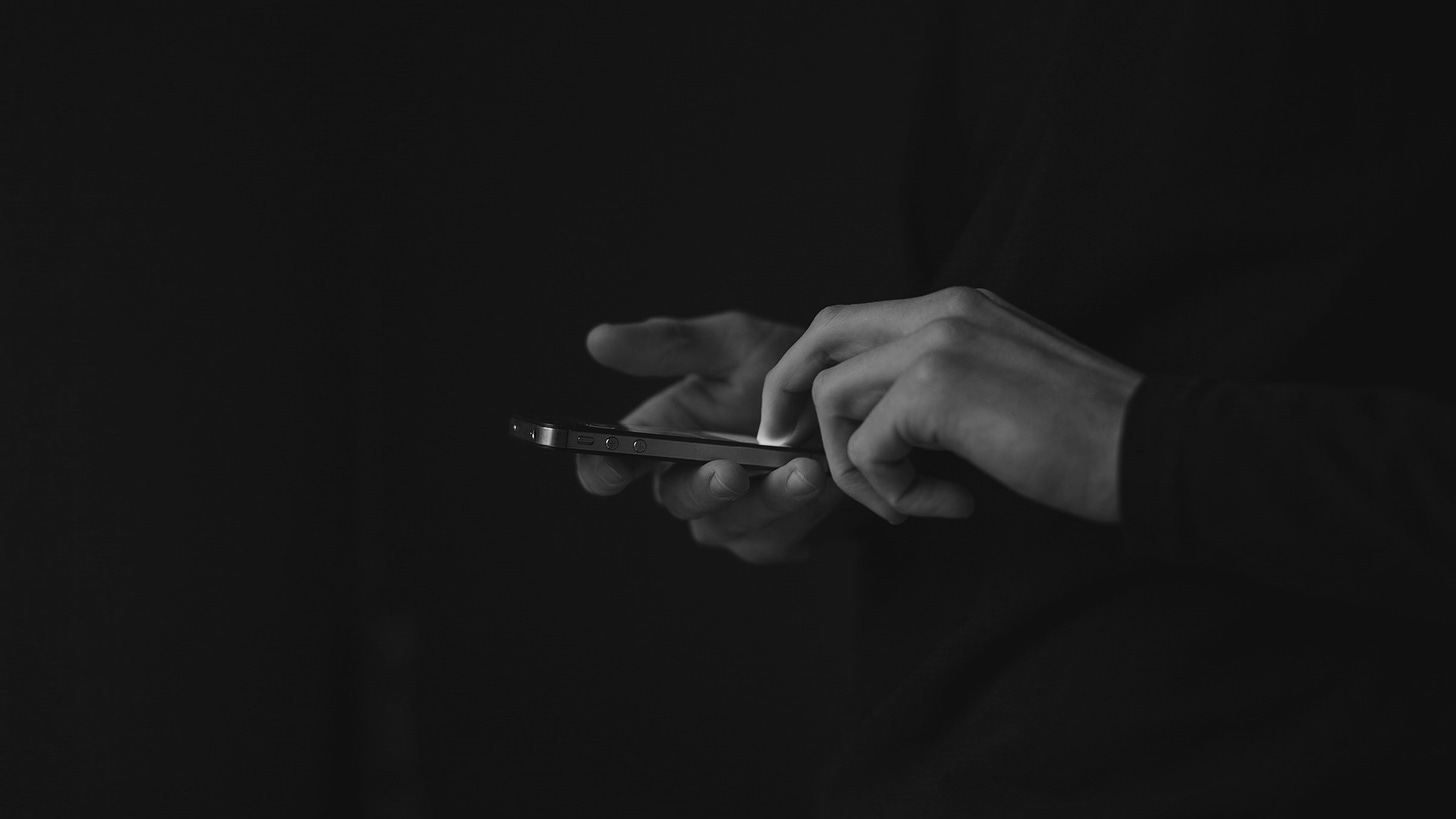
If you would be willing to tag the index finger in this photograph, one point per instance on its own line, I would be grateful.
(837, 334)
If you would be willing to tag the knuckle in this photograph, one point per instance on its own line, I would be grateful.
(932, 368)
(951, 331)
(961, 301)
(739, 319)
(827, 316)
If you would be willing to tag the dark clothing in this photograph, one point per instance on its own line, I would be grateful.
(1241, 200)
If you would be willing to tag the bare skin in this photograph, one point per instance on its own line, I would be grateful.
(957, 370)
(720, 361)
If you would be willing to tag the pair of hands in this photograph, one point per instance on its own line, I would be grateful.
(958, 370)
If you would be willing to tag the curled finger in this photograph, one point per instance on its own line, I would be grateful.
(880, 451)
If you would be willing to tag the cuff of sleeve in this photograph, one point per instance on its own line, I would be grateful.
(1151, 486)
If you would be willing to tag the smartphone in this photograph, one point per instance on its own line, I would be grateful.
(684, 446)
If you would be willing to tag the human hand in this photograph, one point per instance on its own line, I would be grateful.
(958, 370)
(720, 361)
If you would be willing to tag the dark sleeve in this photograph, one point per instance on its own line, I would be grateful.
(1342, 493)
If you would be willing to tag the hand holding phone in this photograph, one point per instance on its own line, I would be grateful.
(719, 362)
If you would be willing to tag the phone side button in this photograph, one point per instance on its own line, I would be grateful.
(638, 445)
(611, 443)
(585, 440)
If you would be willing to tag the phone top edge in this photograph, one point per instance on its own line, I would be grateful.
(683, 449)
(604, 439)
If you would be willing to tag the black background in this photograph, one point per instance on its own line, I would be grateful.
(270, 282)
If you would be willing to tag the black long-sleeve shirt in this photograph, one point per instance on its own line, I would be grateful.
(1248, 202)
(1344, 494)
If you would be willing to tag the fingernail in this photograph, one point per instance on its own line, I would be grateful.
(613, 474)
(721, 489)
(800, 486)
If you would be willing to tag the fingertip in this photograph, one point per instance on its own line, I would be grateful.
(597, 340)
(811, 467)
(801, 487)
(602, 476)
(771, 430)
(771, 433)
(767, 437)
(726, 479)
(808, 478)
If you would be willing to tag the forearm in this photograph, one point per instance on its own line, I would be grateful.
(1338, 493)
